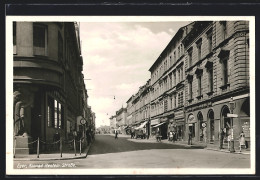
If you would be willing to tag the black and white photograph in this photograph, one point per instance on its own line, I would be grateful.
(93, 95)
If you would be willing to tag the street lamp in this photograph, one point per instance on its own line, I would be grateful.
(232, 107)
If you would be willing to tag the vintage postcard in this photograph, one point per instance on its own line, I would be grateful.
(114, 95)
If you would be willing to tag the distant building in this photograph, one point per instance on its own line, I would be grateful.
(121, 119)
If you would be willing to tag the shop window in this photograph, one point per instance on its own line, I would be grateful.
(39, 40)
(14, 37)
(55, 114)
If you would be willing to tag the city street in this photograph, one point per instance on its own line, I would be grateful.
(108, 152)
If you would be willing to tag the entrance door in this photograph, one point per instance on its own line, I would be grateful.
(211, 126)
(164, 128)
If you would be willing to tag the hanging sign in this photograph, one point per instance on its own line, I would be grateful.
(203, 124)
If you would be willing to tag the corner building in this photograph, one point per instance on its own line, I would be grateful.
(47, 79)
(216, 69)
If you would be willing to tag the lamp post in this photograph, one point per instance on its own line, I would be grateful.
(232, 107)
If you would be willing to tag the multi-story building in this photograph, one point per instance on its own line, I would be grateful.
(217, 80)
(200, 83)
(112, 124)
(47, 81)
(139, 107)
(167, 87)
(121, 119)
(130, 110)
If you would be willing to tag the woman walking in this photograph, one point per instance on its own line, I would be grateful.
(242, 140)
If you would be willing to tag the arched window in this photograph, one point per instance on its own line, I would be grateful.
(226, 121)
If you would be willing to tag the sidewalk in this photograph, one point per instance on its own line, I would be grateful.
(53, 156)
(213, 147)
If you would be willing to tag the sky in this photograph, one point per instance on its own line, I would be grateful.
(116, 60)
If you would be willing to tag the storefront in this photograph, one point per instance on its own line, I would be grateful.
(191, 122)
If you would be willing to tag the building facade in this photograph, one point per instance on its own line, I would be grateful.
(121, 120)
(48, 86)
(167, 87)
(199, 84)
(217, 77)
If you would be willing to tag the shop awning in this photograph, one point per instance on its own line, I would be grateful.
(159, 124)
(142, 125)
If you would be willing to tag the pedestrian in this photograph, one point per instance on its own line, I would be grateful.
(221, 138)
(171, 136)
(229, 139)
(116, 135)
(158, 135)
(242, 141)
(189, 138)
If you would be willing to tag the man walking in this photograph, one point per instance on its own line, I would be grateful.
(221, 138)
(116, 134)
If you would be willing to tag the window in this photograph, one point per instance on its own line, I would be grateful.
(181, 50)
(60, 47)
(50, 112)
(178, 55)
(199, 86)
(180, 99)
(174, 57)
(209, 37)
(225, 71)
(39, 40)
(175, 101)
(170, 61)
(14, 37)
(223, 29)
(190, 89)
(174, 78)
(165, 105)
(55, 114)
(181, 73)
(199, 48)
(170, 80)
(210, 77)
(190, 57)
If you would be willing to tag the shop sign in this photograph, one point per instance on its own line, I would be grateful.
(232, 115)
(198, 107)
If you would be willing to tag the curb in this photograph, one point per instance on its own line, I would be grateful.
(56, 158)
(226, 151)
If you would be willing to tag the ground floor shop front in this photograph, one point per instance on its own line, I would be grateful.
(233, 116)
(43, 113)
